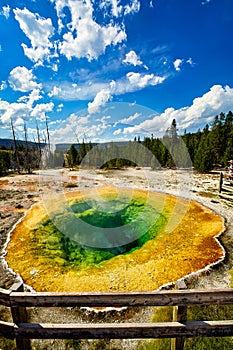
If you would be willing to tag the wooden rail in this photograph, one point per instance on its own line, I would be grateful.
(21, 330)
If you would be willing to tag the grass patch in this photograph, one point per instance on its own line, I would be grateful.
(231, 277)
(194, 313)
(7, 344)
(5, 315)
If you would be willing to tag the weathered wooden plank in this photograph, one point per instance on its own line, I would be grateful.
(7, 330)
(179, 315)
(151, 298)
(19, 315)
(4, 297)
(126, 330)
(23, 331)
(22, 343)
(220, 182)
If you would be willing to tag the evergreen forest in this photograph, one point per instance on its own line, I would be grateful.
(204, 150)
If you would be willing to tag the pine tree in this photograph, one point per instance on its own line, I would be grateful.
(204, 156)
(72, 156)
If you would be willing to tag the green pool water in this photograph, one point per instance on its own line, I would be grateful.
(59, 238)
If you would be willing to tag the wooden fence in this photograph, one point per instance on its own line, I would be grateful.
(21, 330)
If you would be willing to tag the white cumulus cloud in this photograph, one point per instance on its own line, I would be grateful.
(18, 111)
(22, 79)
(133, 7)
(117, 132)
(55, 91)
(40, 110)
(84, 37)
(100, 100)
(89, 89)
(60, 107)
(132, 58)
(139, 80)
(3, 85)
(30, 99)
(177, 64)
(38, 30)
(118, 9)
(202, 111)
(130, 118)
(190, 61)
(6, 11)
(13, 110)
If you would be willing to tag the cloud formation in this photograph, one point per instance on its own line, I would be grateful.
(24, 110)
(138, 80)
(87, 90)
(3, 85)
(177, 64)
(22, 79)
(118, 10)
(133, 7)
(130, 119)
(76, 127)
(205, 2)
(5, 11)
(38, 30)
(132, 58)
(202, 111)
(106, 126)
(100, 100)
(84, 37)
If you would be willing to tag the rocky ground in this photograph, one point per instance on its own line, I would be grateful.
(17, 194)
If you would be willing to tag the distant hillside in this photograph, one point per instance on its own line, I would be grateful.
(64, 147)
(60, 147)
(9, 143)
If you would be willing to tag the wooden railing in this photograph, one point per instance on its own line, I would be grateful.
(21, 330)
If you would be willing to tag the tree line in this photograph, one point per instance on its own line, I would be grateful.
(204, 150)
(24, 160)
(213, 146)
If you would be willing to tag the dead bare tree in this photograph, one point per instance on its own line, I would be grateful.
(49, 156)
(15, 146)
(27, 153)
(38, 141)
(47, 130)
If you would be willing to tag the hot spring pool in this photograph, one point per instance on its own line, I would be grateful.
(116, 239)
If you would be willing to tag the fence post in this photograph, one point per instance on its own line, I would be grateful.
(19, 315)
(220, 182)
(179, 315)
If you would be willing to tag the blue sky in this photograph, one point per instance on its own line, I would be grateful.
(114, 69)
